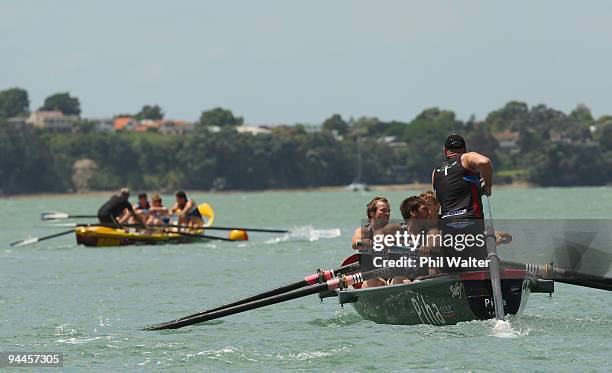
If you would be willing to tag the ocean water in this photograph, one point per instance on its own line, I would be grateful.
(91, 303)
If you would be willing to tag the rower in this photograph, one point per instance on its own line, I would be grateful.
(415, 211)
(158, 214)
(117, 210)
(434, 207)
(187, 211)
(141, 208)
(378, 213)
(143, 202)
(457, 186)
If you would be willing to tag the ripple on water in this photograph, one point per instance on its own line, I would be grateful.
(341, 318)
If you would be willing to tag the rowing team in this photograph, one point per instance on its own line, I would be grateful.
(118, 210)
(451, 214)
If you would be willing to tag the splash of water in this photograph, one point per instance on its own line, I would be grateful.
(306, 233)
(503, 329)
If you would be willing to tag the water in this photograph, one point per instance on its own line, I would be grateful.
(91, 303)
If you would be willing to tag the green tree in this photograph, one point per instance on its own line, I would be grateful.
(335, 122)
(26, 161)
(582, 114)
(63, 102)
(153, 112)
(219, 117)
(510, 117)
(14, 102)
(604, 134)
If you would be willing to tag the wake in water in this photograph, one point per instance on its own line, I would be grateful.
(503, 329)
(306, 233)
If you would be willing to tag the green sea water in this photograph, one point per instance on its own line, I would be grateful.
(91, 303)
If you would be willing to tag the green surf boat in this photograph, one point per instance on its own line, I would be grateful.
(444, 299)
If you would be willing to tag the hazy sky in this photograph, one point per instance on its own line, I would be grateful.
(288, 61)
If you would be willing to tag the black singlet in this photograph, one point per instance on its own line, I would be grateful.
(457, 190)
(115, 206)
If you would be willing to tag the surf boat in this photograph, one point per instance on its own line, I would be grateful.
(444, 299)
(101, 236)
(108, 236)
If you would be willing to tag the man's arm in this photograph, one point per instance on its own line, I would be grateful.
(356, 240)
(186, 209)
(433, 174)
(133, 213)
(479, 163)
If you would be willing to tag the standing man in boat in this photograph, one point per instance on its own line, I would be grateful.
(187, 211)
(118, 209)
(457, 186)
(378, 212)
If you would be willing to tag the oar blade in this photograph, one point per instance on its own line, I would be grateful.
(25, 242)
(53, 215)
(29, 241)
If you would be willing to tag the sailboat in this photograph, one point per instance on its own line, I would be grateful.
(357, 185)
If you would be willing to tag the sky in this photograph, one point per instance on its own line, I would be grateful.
(300, 62)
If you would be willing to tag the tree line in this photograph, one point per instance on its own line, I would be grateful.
(536, 144)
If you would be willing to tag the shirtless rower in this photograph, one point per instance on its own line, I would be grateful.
(378, 213)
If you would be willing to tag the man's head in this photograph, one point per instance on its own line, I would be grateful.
(156, 200)
(432, 202)
(124, 192)
(414, 207)
(454, 144)
(181, 197)
(379, 210)
(142, 197)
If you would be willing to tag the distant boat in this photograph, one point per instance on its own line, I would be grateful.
(357, 185)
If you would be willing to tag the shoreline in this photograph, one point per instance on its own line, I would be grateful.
(373, 188)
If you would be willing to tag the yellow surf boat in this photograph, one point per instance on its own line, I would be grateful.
(108, 236)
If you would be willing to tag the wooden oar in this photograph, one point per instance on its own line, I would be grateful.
(316, 278)
(54, 215)
(29, 241)
(330, 285)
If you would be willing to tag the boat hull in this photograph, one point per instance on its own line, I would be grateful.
(440, 300)
(108, 237)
